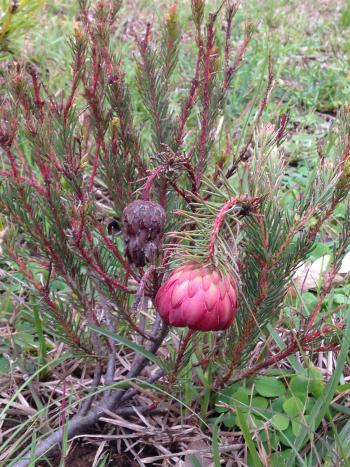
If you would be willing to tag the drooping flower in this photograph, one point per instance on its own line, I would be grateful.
(199, 297)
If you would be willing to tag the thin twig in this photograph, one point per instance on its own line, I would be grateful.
(86, 406)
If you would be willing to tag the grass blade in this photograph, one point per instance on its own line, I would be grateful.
(132, 345)
(248, 438)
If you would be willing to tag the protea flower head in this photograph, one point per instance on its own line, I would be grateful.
(199, 297)
(143, 226)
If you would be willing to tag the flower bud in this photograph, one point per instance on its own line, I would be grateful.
(199, 297)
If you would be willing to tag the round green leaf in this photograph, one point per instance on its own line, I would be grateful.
(316, 388)
(259, 402)
(229, 420)
(293, 407)
(315, 374)
(299, 386)
(316, 382)
(280, 421)
(277, 404)
(297, 426)
(241, 399)
(269, 386)
(232, 396)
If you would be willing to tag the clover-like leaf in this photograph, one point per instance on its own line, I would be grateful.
(293, 406)
(269, 386)
(280, 421)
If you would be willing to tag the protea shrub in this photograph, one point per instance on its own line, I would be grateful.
(72, 159)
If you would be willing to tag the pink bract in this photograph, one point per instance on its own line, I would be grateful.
(199, 297)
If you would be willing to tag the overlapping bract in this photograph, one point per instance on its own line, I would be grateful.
(143, 226)
(199, 297)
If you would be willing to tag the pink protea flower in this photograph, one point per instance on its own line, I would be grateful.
(199, 297)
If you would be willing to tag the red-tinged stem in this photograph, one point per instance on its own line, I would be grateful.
(189, 168)
(37, 99)
(162, 193)
(12, 161)
(146, 192)
(94, 167)
(327, 329)
(108, 62)
(345, 155)
(185, 196)
(191, 96)
(25, 180)
(247, 329)
(293, 230)
(238, 59)
(282, 128)
(76, 77)
(251, 321)
(230, 14)
(111, 283)
(180, 356)
(112, 248)
(206, 101)
(144, 43)
(294, 347)
(314, 230)
(187, 108)
(324, 348)
(253, 202)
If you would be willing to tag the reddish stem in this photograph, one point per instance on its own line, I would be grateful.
(146, 192)
(112, 248)
(37, 99)
(94, 166)
(253, 202)
(111, 283)
(206, 100)
(76, 77)
(230, 14)
(259, 300)
(293, 347)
